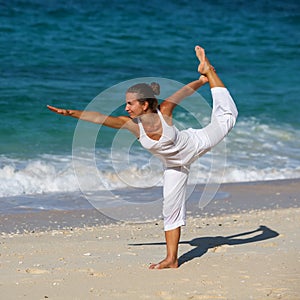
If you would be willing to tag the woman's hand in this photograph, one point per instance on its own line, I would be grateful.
(61, 111)
(203, 79)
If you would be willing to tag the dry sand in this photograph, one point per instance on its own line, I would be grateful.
(253, 254)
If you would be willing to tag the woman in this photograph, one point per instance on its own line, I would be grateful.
(152, 125)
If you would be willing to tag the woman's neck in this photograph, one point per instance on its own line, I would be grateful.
(151, 121)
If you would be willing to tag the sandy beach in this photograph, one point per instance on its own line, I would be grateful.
(249, 252)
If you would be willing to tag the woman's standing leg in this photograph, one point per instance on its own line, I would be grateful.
(175, 182)
(172, 240)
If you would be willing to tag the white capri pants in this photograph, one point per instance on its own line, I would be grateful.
(174, 192)
(223, 118)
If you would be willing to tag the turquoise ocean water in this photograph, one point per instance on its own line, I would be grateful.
(65, 53)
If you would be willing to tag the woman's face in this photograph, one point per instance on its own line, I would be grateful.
(133, 106)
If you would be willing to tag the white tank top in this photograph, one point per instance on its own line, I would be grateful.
(175, 148)
(180, 148)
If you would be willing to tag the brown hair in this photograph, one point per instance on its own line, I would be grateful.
(146, 93)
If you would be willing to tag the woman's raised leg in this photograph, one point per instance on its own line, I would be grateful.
(207, 69)
(224, 112)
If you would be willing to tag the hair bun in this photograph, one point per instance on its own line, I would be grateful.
(155, 88)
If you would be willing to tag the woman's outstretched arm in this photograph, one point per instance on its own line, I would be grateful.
(94, 117)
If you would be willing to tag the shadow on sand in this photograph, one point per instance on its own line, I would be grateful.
(203, 244)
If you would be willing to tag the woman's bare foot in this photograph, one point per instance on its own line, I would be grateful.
(204, 66)
(165, 264)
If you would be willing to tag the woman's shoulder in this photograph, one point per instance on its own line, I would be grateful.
(166, 108)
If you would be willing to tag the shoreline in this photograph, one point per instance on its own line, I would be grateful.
(239, 197)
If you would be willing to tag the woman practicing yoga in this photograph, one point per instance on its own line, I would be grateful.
(152, 125)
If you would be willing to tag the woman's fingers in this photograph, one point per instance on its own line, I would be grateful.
(58, 110)
(52, 108)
